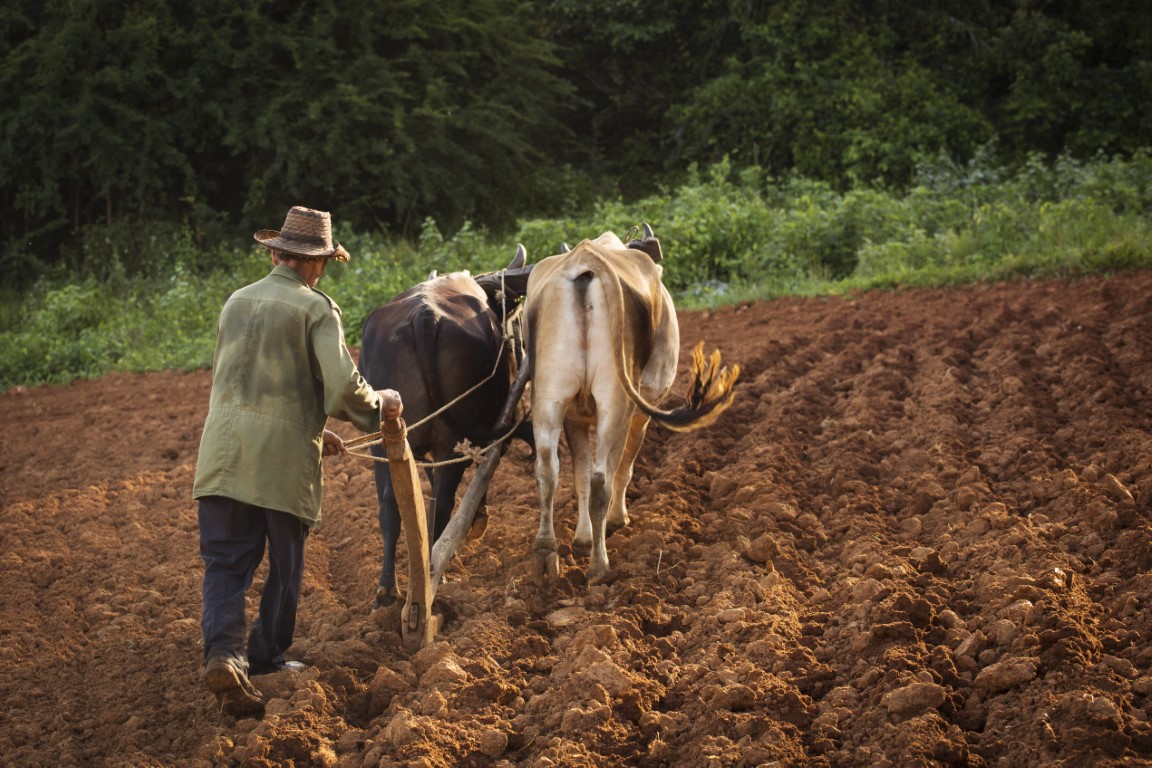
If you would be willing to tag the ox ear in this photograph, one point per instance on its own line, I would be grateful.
(649, 245)
(520, 258)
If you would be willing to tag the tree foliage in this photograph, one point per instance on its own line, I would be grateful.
(124, 115)
(856, 92)
(122, 121)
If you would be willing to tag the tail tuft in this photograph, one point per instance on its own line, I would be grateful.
(712, 385)
(710, 392)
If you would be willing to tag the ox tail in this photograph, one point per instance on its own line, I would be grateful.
(712, 386)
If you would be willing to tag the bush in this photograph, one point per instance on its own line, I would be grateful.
(727, 236)
(61, 339)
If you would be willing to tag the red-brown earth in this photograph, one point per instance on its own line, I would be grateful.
(920, 537)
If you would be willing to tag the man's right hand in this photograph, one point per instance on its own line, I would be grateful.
(390, 405)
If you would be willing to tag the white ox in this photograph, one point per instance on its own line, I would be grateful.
(603, 342)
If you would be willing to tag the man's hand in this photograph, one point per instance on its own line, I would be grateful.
(333, 445)
(390, 405)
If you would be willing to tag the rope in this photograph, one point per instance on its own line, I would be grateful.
(470, 453)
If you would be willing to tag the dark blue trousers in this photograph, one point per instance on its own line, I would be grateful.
(233, 536)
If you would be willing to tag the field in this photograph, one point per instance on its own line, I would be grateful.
(922, 536)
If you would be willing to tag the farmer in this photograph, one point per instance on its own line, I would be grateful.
(281, 369)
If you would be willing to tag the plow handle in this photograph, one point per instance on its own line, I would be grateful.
(418, 625)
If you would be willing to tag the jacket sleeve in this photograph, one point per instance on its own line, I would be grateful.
(347, 396)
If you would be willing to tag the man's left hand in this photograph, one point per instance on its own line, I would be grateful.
(333, 445)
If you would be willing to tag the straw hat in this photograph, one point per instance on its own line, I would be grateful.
(306, 234)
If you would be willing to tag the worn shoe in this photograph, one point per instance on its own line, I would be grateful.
(265, 668)
(234, 692)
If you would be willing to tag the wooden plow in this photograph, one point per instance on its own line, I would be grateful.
(426, 567)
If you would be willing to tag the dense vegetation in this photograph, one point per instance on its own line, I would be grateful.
(728, 235)
(782, 146)
(120, 119)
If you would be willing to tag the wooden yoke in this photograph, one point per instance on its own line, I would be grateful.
(418, 625)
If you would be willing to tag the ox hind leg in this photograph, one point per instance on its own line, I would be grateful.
(578, 444)
(386, 591)
(610, 443)
(618, 509)
(547, 426)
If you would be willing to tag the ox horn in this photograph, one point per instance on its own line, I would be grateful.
(649, 245)
(520, 257)
(564, 247)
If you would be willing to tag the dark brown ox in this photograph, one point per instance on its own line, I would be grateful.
(433, 343)
(603, 343)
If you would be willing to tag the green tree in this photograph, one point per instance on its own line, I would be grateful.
(117, 117)
(389, 112)
(1073, 77)
(94, 114)
(633, 62)
(835, 94)
(121, 120)
(855, 91)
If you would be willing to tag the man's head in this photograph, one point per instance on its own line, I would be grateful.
(304, 243)
(306, 234)
(309, 269)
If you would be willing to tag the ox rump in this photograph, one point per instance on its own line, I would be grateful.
(433, 343)
(603, 342)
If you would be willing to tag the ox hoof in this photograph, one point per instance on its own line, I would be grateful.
(549, 566)
(386, 597)
(479, 525)
(611, 526)
(597, 574)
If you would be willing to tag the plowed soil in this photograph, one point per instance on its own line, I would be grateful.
(921, 536)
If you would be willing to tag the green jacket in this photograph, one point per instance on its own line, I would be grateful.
(281, 368)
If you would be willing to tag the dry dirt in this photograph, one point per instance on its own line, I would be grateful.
(920, 537)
